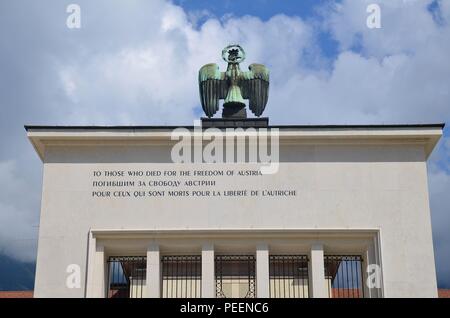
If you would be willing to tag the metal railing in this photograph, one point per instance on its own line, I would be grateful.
(344, 276)
(181, 276)
(235, 276)
(288, 276)
(126, 277)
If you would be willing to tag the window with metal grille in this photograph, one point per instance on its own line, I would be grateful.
(127, 276)
(344, 277)
(181, 276)
(235, 276)
(288, 276)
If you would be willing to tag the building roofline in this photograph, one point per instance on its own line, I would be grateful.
(161, 127)
(426, 134)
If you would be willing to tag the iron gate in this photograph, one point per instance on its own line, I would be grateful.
(288, 276)
(126, 276)
(181, 276)
(344, 276)
(235, 276)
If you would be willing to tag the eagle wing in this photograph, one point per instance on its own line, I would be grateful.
(213, 86)
(255, 87)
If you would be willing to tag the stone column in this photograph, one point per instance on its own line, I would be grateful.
(372, 262)
(262, 271)
(153, 280)
(96, 283)
(208, 274)
(317, 272)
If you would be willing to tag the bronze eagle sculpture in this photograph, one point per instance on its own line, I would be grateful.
(233, 86)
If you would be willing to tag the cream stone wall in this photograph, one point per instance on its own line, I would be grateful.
(378, 184)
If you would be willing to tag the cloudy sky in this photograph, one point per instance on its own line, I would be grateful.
(136, 62)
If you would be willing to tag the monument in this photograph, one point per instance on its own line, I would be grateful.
(233, 86)
(235, 207)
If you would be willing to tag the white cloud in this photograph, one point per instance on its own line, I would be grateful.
(400, 74)
(406, 26)
(439, 182)
(18, 227)
(158, 81)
